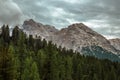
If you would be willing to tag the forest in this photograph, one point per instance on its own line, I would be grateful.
(23, 57)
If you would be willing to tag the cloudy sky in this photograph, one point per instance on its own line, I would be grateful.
(101, 15)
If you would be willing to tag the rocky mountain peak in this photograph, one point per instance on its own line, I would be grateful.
(79, 26)
(35, 28)
(75, 36)
(32, 23)
(76, 25)
(29, 21)
(79, 35)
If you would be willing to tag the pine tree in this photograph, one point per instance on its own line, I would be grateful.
(7, 64)
(112, 75)
(3, 31)
(5, 34)
(31, 42)
(17, 68)
(79, 72)
(61, 61)
(27, 69)
(30, 71)
(34, 72)
(22, 38)
(54, 68)
(68, 66)
(95, 77)
(15, 35)
(41, 60)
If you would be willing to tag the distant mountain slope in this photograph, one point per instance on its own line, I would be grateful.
(76, 36)
(79, 35)
(115, 43)
(100, 53)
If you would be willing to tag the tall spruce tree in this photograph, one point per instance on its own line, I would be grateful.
(15, 35)
(41, 60)
(7, 64)
(68, 66)
(27, 69)
(34, 72)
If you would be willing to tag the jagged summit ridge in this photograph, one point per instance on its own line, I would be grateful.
(79, 35)
(79, 26)
(35, 28)
(75, 36)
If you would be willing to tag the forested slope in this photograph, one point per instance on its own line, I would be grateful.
(25, 58)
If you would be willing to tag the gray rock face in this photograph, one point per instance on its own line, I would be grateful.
(115, 43)
(77, 36)
(33, 28)
(74, 37)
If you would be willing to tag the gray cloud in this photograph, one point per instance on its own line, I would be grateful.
(10, 13)
(102, 16)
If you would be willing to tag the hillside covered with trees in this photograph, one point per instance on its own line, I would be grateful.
(26, 58)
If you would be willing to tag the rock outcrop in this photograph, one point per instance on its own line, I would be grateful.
(33, 28)
(115, 43)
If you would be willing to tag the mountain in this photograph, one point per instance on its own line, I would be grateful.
(34, 28)
(115, 43)
(76, 36)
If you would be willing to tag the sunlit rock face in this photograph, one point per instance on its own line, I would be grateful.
(75, 36)
(33, 28)
(115, 43)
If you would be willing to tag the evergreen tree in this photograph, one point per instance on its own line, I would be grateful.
(15, 35)
(41, 60)
(34, 72)
(79, 72)
(68, 66)
(61, 67)
(31, 42)
(5, 34)
(7, 64)
(3, 31)
(27, 69)
(17, 68)
(95, 77)
(112, 75)
(54, 68)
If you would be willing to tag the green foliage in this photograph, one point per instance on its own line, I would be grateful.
(26, 58)
(7, 63)
(27, 69)
(68, 68)
(5, 34)
(34, 72)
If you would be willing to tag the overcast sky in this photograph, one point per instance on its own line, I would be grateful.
(101, 15)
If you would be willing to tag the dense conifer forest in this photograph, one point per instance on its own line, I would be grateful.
(26, 58)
